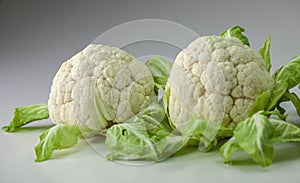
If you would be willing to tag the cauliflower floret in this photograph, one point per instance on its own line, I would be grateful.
(123, 84)
(216, 79)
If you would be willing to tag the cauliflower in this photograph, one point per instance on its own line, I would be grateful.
(218, 89)
(217, 79)
(99, 86)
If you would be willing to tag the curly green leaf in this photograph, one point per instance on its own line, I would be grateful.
(236, 32)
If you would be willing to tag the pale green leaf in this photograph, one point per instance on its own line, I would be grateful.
(284, 131)
(285, 78)
(229, 148)
(58, 137)
(205, 134)
(289, 73)
(27, 114)
(279, 89)
(253, 136)
(236, 32)
(160, 70)
(294, 99)
(145, 136)
(261, 103)
(265, 53)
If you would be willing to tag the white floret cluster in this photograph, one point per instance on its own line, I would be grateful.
(216, 78)
(123, 84)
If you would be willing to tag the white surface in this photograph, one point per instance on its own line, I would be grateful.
(37, 36)
(83, 164)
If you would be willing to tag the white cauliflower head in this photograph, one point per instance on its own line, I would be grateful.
(215, 78)
(99, 86)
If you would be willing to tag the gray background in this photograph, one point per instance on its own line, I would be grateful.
(37, 36)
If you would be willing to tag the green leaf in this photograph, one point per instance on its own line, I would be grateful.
(236, 32)
(153, 117)
(285, 78)
(265, 53)
(284, 131)
(294, 99)
(58, 137)
(145, 136)
(253, 136)
(129, 141)
(195, 130)
(160, 70)
(279, 89)
(205, 134)
(289, 73)
(166, 98)
(277, 113)
(261, 102)
(229, 148)
(256, 136)
(26, 114)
